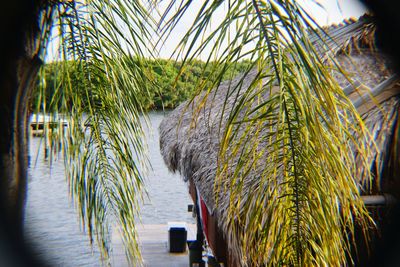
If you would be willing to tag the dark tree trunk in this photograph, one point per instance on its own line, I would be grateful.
(18, 70)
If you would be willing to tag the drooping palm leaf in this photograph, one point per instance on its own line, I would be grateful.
(99, 81)
(287, 188)
(306, 197)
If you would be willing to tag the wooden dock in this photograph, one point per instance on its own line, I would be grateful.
(153, 239)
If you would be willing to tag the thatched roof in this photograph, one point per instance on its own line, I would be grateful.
(191, 146)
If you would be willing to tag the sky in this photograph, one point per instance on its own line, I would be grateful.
(335, 10)
(332, 11)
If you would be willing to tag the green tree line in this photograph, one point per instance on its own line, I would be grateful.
(168, 83)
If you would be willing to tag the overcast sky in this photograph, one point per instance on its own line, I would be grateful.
(334, 11)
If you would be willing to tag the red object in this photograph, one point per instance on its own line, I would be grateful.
(204, 216)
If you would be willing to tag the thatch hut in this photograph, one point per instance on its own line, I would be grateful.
(191, 146)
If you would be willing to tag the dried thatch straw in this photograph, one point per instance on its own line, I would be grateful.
(190, 138)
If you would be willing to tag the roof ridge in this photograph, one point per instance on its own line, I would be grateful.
(336, 37)
(365, 18)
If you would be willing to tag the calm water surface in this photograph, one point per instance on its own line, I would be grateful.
(52, 225)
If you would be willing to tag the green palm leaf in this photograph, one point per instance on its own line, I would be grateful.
(99, 83)
(285, 116)
(287, 189)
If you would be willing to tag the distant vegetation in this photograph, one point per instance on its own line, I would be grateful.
(164, 90)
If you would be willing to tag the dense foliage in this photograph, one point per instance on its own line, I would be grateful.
(165, 90)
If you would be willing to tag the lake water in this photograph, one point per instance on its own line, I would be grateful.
(52, 224)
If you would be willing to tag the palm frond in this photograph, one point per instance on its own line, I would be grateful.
(99, 78)
(287, 117)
